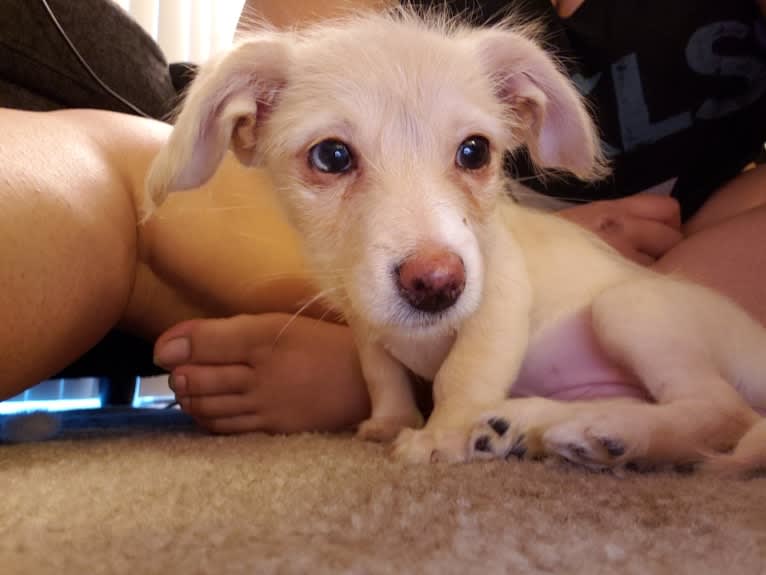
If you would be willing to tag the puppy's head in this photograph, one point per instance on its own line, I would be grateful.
(385, 137)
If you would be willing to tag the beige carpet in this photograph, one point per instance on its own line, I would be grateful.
(188, 503)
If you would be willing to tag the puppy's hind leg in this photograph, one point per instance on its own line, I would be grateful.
(602, 436)
(684, 343)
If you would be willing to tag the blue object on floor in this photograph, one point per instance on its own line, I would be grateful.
(90, 423)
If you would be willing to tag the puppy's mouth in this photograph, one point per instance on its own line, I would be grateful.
(418, 321)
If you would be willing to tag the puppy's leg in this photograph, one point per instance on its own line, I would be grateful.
(519, 428)
(515, 428)
(682, 431)
(480, 368)
(391, 395)
(669, 334)
(460, 396)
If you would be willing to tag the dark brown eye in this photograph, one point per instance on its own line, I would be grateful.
(473, 153)
(331, 157)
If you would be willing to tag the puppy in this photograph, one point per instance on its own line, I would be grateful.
(385, 137)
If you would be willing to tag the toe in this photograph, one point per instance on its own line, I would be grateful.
(204, 380)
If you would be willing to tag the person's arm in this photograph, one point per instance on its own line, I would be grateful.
(288, 13)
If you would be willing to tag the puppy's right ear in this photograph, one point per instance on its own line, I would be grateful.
(226, 104)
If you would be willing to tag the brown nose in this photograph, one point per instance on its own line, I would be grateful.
(432, 279)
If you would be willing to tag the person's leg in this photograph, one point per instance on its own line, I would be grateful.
(67, 246)
(744, 193)
(267, 372)
(724, 244)
(75, 265)
(229, 246)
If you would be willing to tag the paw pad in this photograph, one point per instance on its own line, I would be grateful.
(519, 448)
(499, 425)
(482, 444)
(614, 447)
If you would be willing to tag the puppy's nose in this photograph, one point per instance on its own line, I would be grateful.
(432, 279)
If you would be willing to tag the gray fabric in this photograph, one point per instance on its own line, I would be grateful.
(38, 71)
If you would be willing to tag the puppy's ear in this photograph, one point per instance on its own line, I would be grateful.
(226, 104)
(543, 102)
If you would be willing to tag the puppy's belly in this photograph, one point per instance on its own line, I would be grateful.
(565, 362)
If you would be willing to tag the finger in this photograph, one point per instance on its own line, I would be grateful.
(651, 237)
(235, 424)
(639, 257)
(653, 207)
(215, 341)
(199, 380)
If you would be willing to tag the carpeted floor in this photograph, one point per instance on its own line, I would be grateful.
(181, 502)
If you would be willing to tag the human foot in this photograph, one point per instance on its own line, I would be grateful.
(268, 372)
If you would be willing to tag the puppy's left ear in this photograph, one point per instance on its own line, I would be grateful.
(543, 103)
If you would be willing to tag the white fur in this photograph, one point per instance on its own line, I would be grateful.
(404, 92)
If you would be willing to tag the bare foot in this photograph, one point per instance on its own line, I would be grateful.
(251, 373)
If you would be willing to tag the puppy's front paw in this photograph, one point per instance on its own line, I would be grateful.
(384, 429)
(496, 436)
(430, 446)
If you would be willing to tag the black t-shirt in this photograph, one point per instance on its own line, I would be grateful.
(677, 87)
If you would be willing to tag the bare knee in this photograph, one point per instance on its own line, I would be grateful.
(68, 248)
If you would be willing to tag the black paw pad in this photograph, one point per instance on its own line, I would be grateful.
(482, 444)
(518, 449)
(614, 447)
(578, 451)
(499, 425)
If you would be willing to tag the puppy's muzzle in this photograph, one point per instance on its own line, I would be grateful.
(431, 280)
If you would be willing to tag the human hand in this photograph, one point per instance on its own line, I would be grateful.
(259, 373)
(642, 227)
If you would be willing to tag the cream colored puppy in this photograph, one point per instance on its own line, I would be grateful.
(385, 137)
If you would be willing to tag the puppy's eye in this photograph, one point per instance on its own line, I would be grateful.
(331, 157)
(473, 153)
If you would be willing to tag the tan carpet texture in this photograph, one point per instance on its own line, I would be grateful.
(190, 503)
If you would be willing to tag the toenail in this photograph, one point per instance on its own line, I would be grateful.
(482, 444)
(500, 426)
(173, 352)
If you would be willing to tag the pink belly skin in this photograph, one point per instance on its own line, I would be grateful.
(565, 362)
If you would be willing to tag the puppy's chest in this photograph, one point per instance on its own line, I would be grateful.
(422, 356)
(563, 361)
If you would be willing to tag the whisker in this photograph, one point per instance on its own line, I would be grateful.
(521, 192)
(301, 310)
